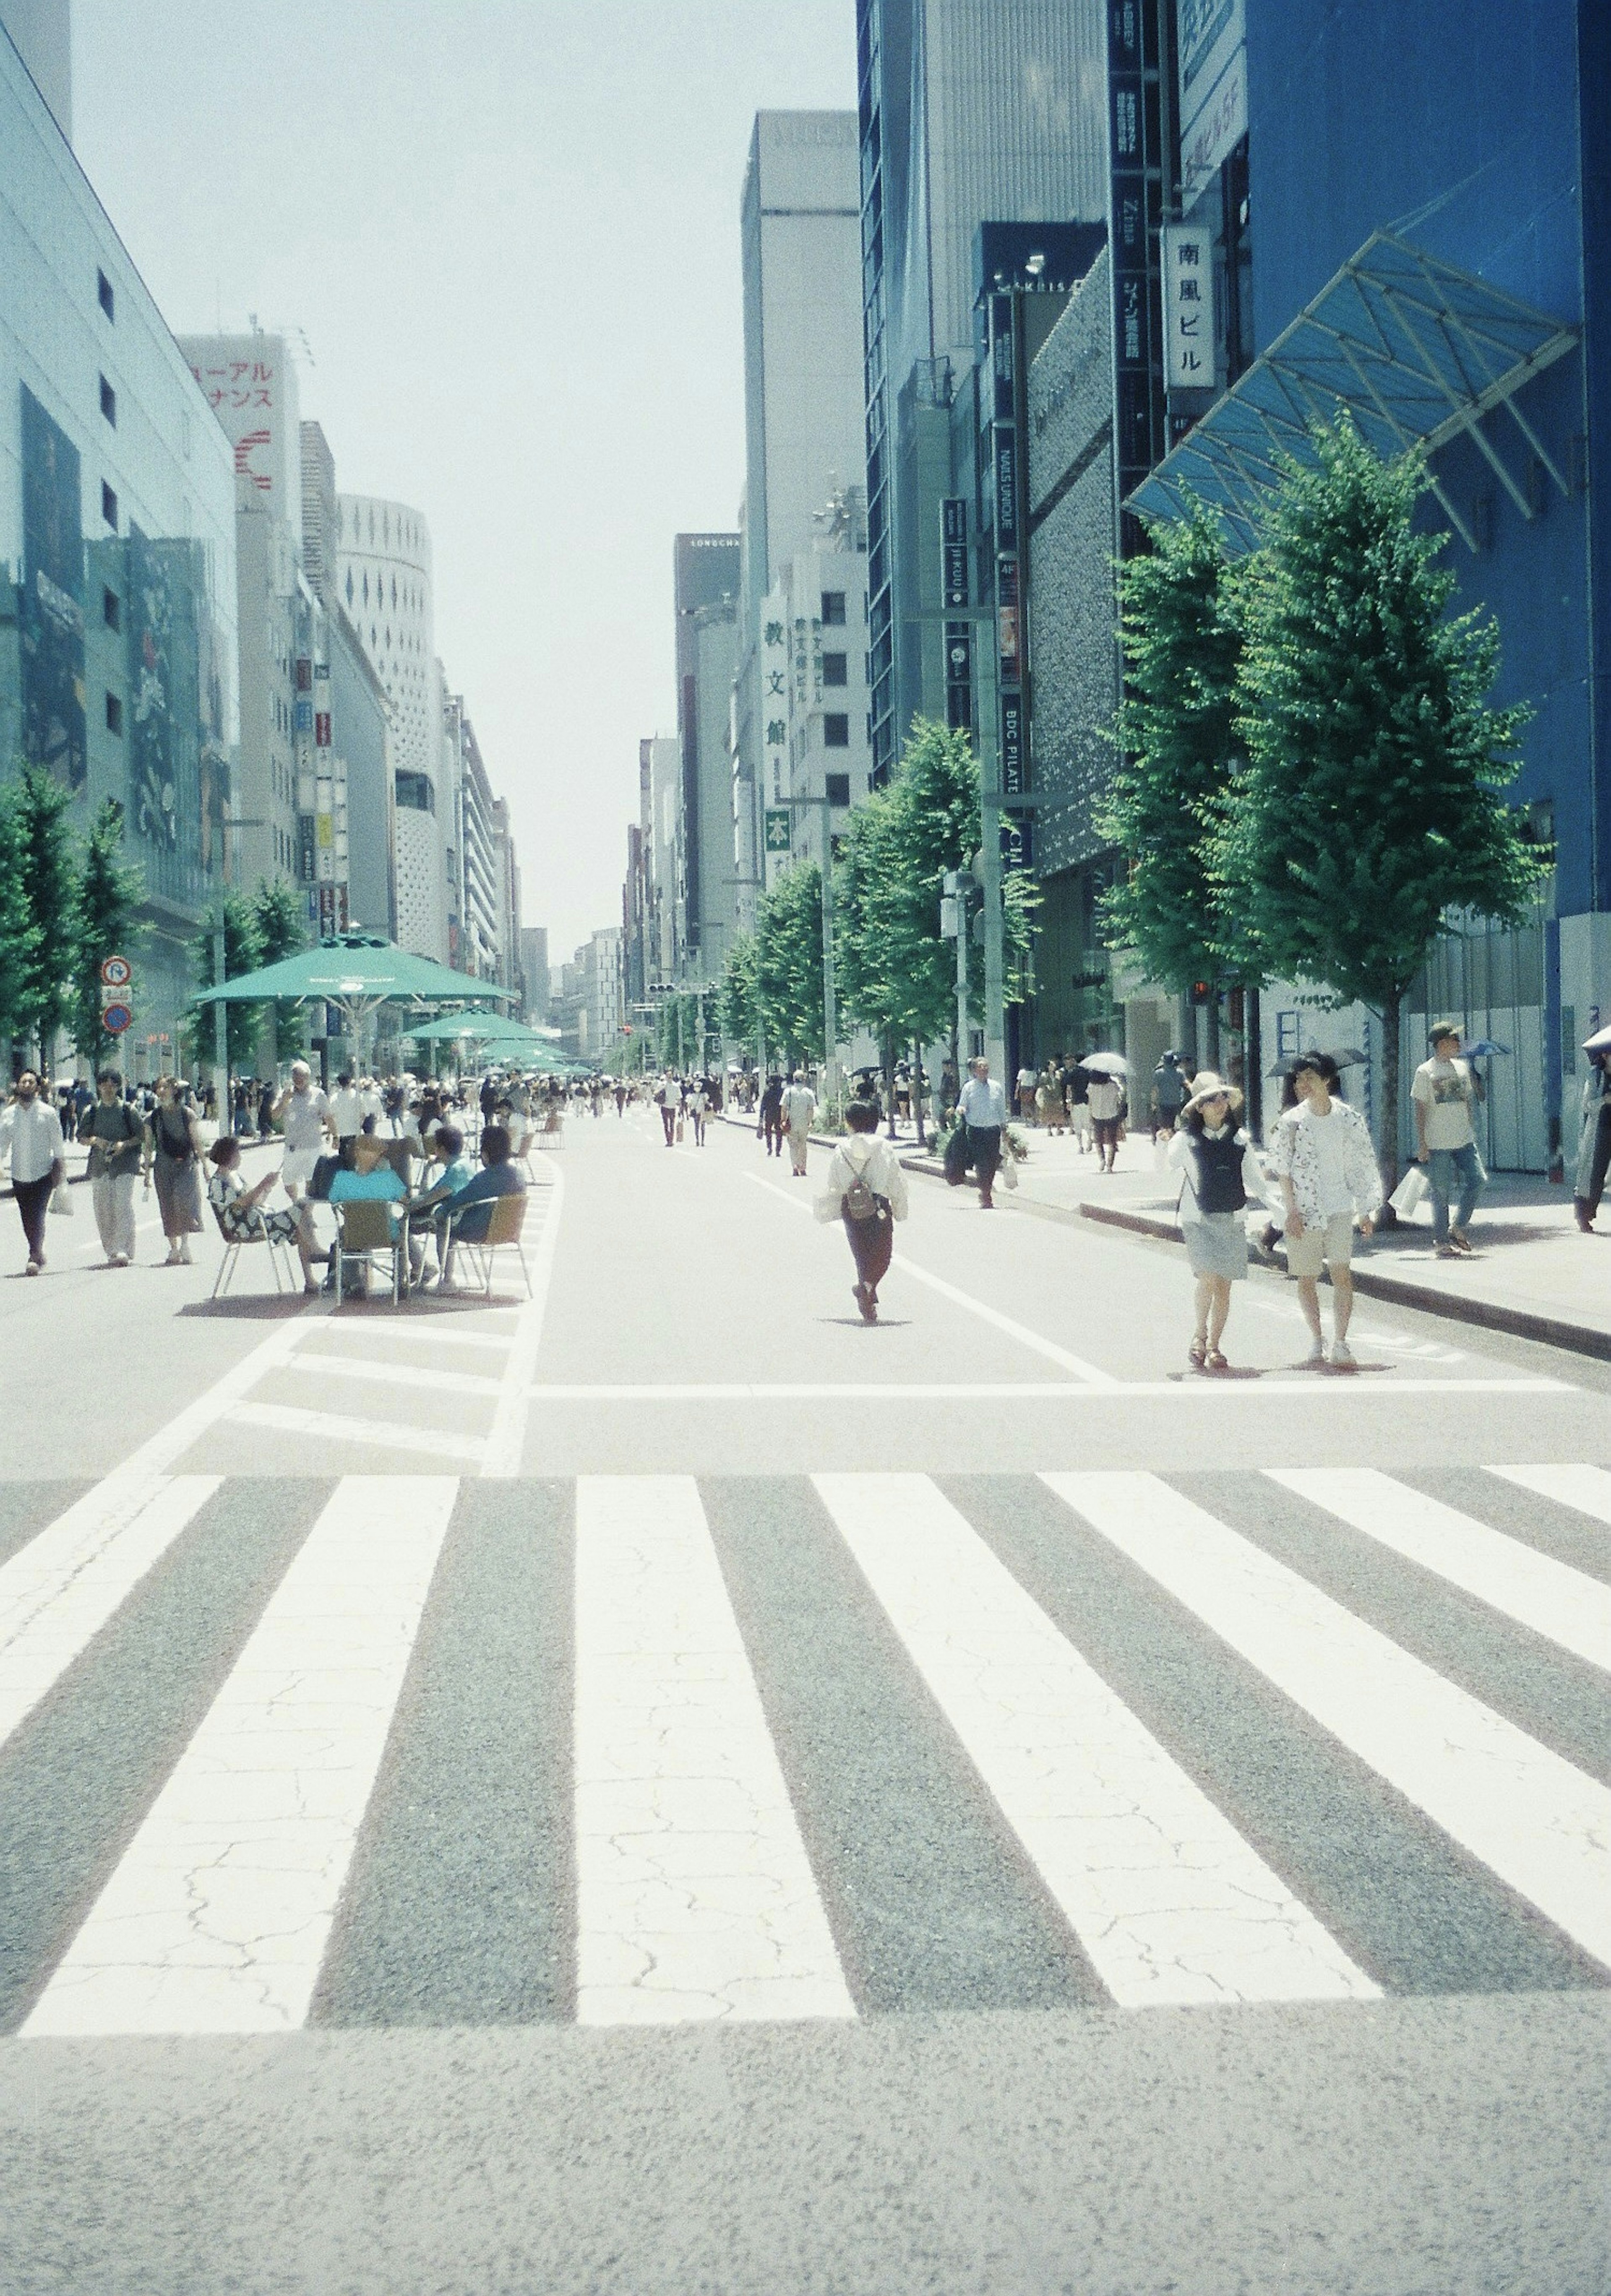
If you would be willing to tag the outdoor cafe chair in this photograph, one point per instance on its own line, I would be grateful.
(235, 1243)
(504, 1227)
(364, 1228)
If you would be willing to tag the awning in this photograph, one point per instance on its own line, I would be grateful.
(1416, 350)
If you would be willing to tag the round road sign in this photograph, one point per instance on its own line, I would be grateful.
(116, 1019)
(116, 971)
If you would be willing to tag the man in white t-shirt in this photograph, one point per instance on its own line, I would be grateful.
(306, 1113)
(347, 1112)
(799, 1114)
(1444, 1096)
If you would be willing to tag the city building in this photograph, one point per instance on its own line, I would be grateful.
(604, 997)
(705, 568)
(666, 945)
(801, 275)
(507, 876)
(1413, 226)
(968, 116)
(816, 756)
(384, 586)
(534, 973)
(118, 588)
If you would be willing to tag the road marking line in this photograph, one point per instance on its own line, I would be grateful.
(159, 1451)
(1087, 1373)
(426, 1334)
(216, 1916)
(1170, 1903)
(505, 1443)
(58, 1592)
(1540, 1824)
(328, 1365)
(1586, 1488)
(1564, 1605)
(331, 1427)
(1049, 1390)
(695, 1895)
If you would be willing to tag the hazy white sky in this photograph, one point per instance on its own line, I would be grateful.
(509, 229)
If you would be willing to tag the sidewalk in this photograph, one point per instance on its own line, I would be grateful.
(1532, 1272)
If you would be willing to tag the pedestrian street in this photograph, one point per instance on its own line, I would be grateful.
(667, 1650)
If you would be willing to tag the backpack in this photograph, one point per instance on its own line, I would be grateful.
(859, 1201)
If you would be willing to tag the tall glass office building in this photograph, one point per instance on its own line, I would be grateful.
(117, 552)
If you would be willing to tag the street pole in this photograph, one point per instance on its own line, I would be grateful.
(990, 874)
(220, 1030)
(830, 1001)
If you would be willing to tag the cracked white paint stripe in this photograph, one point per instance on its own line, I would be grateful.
(695, 1895)
(1565, 1606)
(1540, 1824)
(60, 1589)
(1169, 1902)
(1588, 1489)
(216, 1919)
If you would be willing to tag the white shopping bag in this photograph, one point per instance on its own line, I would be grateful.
(60, 1200)
(1410, 1190)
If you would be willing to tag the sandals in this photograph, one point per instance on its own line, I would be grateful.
(1214, 1361)
(1196, 1355)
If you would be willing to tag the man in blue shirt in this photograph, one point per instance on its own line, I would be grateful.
(983, 1109)
(447, 1150)
(470, 1208)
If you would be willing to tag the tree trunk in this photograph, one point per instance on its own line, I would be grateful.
(887, 1049)
(917, 1097)
(1252, 1060)
(1387, 1141)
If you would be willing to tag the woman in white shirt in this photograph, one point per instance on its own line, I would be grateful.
(866, 1188)
(1220, 1176)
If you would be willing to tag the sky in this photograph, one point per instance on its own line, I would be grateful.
(508, 230)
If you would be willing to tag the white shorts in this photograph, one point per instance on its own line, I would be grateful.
(1333, 1244)
(297, 1166)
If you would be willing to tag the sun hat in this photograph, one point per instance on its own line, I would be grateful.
(1209, 1086)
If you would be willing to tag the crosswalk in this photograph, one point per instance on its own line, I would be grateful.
(655, 1749)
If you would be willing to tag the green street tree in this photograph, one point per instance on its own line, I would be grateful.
(788, 938)
(1370, 805)
(50, 876)
(109, 892)
(18, 935)
(1179, 747)
(242, 953)
(280, 919)
(738, 994)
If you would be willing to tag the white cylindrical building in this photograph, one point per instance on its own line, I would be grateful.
(383, 572)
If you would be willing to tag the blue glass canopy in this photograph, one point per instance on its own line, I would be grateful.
(1416, 349)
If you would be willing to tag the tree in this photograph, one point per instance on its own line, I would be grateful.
(242, 953)
(109, 893)
(1370, 805)
(281, 920)
(739, 994)
(1179, 750)
(788, 967)
(18, 935)
(50, 887)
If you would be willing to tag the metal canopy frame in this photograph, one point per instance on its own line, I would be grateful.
(1418, 351)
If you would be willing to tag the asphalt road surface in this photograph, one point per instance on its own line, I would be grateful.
(646, 1784)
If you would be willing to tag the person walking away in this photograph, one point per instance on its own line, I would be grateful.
(1105, 1095)
(866, 1188)
(1443, 1094)
(620, 1098)
(1049, 1101)
(771, 1124)
(1076, 1095)
(265, 1100)
(697, 1104)
(982, 1109)
(116, 1136)
(1326, 1169)
(30, 1137)
(799, 1115)
(1593, 1141)
(172, 1151)
(1025, 1089)
(302, 1112)
(242, 1214)
(667, 1099)
(470, 1208)
(346, 1116)
(1168, 1094)
(1220, 1174)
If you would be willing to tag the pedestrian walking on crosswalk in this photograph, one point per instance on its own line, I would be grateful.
(866, 1188)
(1327, 1171)
(1219, 1170)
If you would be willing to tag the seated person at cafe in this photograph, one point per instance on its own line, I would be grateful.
(371, 1179)
(455, 1171)
(470, 1208)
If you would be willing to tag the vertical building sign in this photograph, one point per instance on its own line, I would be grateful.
(1136, 214)
(51, 632)
(1008, 469)
(774, 727)
(1188, 307)
(958, 635)
(1212, 89)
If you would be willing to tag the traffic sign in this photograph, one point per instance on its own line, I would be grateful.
(116, 971)
(115, 1018)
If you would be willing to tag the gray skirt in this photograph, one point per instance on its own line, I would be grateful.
(178, 1194)
(1217, 1245)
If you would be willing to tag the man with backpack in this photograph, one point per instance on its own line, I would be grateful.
(116, 1138)
(867, 1187)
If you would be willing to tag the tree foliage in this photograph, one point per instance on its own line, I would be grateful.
(280, 922)
(788, 964)
(19, 934)
(1370, 804)
(738, 995)
(109, 895)
(242, 953)
(1180, 746)
(50, 878)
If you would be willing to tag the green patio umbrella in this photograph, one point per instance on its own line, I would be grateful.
(359, 972)
(458, 1027)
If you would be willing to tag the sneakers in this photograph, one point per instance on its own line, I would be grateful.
(1341, 1357)
(1316, 1353)
(32, 1268)
(1461, 1241)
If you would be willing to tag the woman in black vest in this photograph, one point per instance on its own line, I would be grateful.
(1220, 1178)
